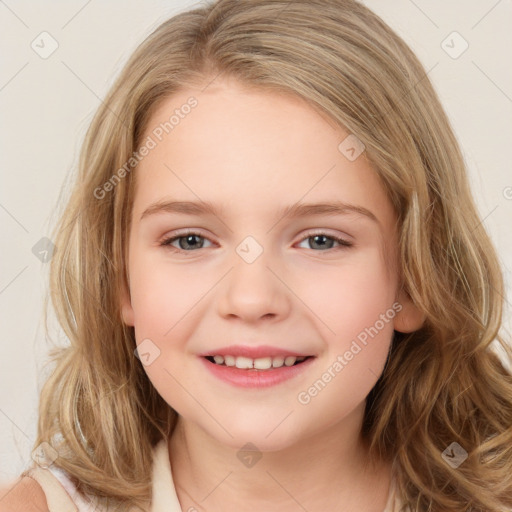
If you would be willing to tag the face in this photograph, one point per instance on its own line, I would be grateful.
(252, 278)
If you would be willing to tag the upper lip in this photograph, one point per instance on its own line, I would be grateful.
(252, 352)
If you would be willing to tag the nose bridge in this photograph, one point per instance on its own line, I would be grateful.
(252, 290)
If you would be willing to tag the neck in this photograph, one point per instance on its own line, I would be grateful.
(320, 472)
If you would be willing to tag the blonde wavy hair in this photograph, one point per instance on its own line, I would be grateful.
(443, 383)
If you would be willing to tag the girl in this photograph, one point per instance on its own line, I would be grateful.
(330, 342)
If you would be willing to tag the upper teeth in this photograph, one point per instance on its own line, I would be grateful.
(263, 363)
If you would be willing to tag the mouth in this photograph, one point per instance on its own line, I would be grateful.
(261, 371)
(259, 364)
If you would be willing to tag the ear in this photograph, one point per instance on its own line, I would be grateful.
(126, 305)
(409, 318)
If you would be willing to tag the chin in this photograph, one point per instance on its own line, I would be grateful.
(264, 435)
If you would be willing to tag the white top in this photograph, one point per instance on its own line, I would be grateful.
(62, 496)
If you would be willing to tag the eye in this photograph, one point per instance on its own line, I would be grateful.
(325, 242)
(190, 240)
(187, 241)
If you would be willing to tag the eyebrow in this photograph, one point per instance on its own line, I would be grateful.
(296, 210)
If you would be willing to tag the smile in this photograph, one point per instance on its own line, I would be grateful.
(263, 372)
(263, 363)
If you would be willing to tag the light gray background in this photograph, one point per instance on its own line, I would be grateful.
(47, 104)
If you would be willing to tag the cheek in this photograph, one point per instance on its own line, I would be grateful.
(355, 306)
(351, 297)
(360, 324)
(161, 293)
(163, 303)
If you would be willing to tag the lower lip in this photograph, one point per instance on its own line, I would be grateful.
(255, 378)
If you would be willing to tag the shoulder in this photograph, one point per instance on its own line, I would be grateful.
(22, 495)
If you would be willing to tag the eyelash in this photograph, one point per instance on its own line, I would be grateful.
(344, 244)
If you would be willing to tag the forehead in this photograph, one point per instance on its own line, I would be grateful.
(250, 149)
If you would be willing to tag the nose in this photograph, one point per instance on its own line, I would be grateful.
(254, 291)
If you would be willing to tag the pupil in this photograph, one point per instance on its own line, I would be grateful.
(316, 237)
(185, 242)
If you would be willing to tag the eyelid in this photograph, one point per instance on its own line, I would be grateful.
(182, 233)
(328, 232)
(344, 241)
